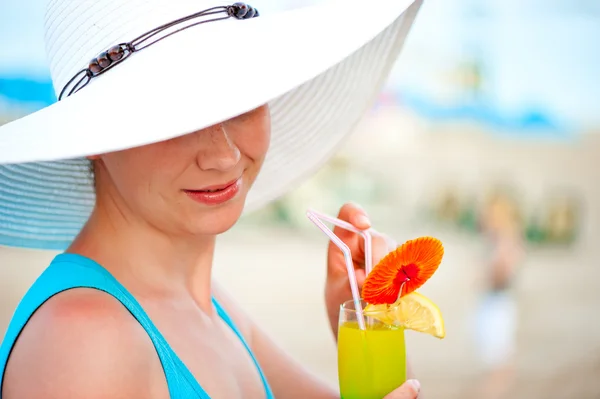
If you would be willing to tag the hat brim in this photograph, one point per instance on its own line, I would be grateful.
(320, 68)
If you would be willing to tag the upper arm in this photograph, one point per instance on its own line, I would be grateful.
(83, 343)
(287, 377)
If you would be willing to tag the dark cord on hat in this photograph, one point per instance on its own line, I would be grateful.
(116, 54)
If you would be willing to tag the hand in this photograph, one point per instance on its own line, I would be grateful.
(409, 390)
(337, 288)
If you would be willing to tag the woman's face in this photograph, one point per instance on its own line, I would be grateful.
(193, 184)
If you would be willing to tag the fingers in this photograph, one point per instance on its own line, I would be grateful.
(409, 390)
(355, 215)
(390, 242)
(360, 277)
(381, 244)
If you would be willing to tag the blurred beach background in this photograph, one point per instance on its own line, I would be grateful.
(497, 97)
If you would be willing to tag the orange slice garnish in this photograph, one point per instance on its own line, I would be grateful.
(411, 264)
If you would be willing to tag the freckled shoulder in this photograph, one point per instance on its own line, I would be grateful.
(83, 343)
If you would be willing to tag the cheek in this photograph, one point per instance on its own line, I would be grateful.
(263, 140)
(138, 170)
(125, 174)
(255, 142)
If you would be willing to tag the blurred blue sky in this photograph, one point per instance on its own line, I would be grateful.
(538, 60)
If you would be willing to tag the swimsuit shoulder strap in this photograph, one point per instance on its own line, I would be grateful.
(69, 271)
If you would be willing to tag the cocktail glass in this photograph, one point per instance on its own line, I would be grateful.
(371, 361)
(371, 354)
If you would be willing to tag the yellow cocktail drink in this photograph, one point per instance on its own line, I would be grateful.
(371, 362)
(371, 346)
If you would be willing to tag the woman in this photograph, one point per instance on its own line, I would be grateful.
(497, 315)
(176, 126)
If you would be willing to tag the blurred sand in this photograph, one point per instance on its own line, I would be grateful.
(282, 287)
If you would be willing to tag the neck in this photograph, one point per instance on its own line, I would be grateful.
(146, 260)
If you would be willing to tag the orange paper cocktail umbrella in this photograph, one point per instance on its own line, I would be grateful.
(411, 264)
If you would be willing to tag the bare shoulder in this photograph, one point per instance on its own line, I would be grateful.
(83, 343)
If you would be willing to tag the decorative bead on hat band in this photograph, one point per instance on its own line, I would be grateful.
(118, 53)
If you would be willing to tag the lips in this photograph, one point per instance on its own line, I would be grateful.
(217, 194)
(215, 188)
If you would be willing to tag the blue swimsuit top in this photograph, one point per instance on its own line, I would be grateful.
(68, 271)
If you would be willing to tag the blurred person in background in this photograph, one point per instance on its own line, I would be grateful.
(176, 126)
(496, 317)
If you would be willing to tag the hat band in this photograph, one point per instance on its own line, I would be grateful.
(118, 53)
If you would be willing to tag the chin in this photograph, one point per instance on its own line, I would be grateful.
(218, 220)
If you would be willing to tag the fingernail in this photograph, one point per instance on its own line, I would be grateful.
(416, 385)
(362, 219)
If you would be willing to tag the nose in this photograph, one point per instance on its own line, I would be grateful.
(218, 151)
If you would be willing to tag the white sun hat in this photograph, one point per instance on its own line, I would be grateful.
(319, 67)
